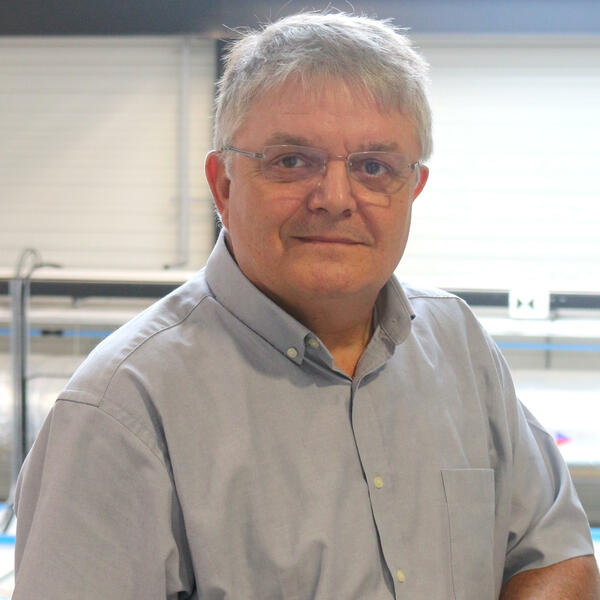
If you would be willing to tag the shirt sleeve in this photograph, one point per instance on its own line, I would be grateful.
(547, 521)
(97, 514)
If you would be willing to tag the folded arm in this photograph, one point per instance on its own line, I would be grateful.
(576, 578)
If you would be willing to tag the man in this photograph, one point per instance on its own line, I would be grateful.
(293, 423)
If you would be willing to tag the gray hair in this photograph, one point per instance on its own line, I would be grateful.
(368, 54)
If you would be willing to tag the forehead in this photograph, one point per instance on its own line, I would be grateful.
(325, 113)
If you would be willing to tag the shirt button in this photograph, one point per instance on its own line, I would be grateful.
(378, 482)
(292, 352)
(313, 343)
(400, 575)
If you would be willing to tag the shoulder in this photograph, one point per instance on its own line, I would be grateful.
(426, 293)
(143, 342)
(132, 374)
(433, 305)
(445, 324)
(433, 298)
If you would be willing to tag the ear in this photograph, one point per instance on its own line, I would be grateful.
(423, 177)
(219, 183)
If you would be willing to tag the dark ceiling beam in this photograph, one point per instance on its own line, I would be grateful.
(209, 17)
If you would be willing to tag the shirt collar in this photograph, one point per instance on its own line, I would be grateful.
(240, 297)
(394, 311)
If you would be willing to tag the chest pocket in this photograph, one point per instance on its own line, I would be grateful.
(470, 503)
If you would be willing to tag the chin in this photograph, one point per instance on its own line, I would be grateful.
(332, 284)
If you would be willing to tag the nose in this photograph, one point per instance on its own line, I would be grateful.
(333, 193)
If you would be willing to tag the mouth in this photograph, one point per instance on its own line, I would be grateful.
(319, 239)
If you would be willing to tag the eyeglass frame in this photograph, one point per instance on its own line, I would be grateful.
(261, 155)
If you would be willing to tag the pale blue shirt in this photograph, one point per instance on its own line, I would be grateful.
(211, 449)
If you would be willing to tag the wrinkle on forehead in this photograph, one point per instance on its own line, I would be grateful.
(341, 94)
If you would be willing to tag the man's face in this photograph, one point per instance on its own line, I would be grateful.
(302, 244)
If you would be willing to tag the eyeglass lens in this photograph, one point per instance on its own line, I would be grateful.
(380, 172)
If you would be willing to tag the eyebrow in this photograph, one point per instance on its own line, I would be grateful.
(379, 147)
(281, 137)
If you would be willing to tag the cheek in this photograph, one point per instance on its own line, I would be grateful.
(244, 212)
(391, 233)
(401, 235)
(255, 224)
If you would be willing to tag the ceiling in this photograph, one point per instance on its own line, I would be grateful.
(213, 17)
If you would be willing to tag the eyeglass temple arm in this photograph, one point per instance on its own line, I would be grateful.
(244, 152)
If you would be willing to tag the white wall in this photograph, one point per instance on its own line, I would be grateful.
(90, 152)
(89, 157)
(514, 193)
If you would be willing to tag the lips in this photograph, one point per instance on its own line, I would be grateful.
(318, 239)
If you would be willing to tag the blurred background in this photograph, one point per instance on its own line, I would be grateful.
(105, 120)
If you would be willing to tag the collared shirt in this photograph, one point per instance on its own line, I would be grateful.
(211, 449)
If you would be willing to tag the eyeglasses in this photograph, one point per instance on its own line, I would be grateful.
(384, 173)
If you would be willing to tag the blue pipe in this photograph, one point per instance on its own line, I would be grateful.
(548, 346)
(68, 333)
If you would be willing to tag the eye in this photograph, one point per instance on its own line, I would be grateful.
(371, 167)
(287, 164)
(291, 161)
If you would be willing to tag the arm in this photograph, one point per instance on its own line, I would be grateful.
(97, 516)
(550, 547)
(576, 578)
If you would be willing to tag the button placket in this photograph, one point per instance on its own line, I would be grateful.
(369, 442)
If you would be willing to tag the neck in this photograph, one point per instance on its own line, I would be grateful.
(342, 324)
(344, 329)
